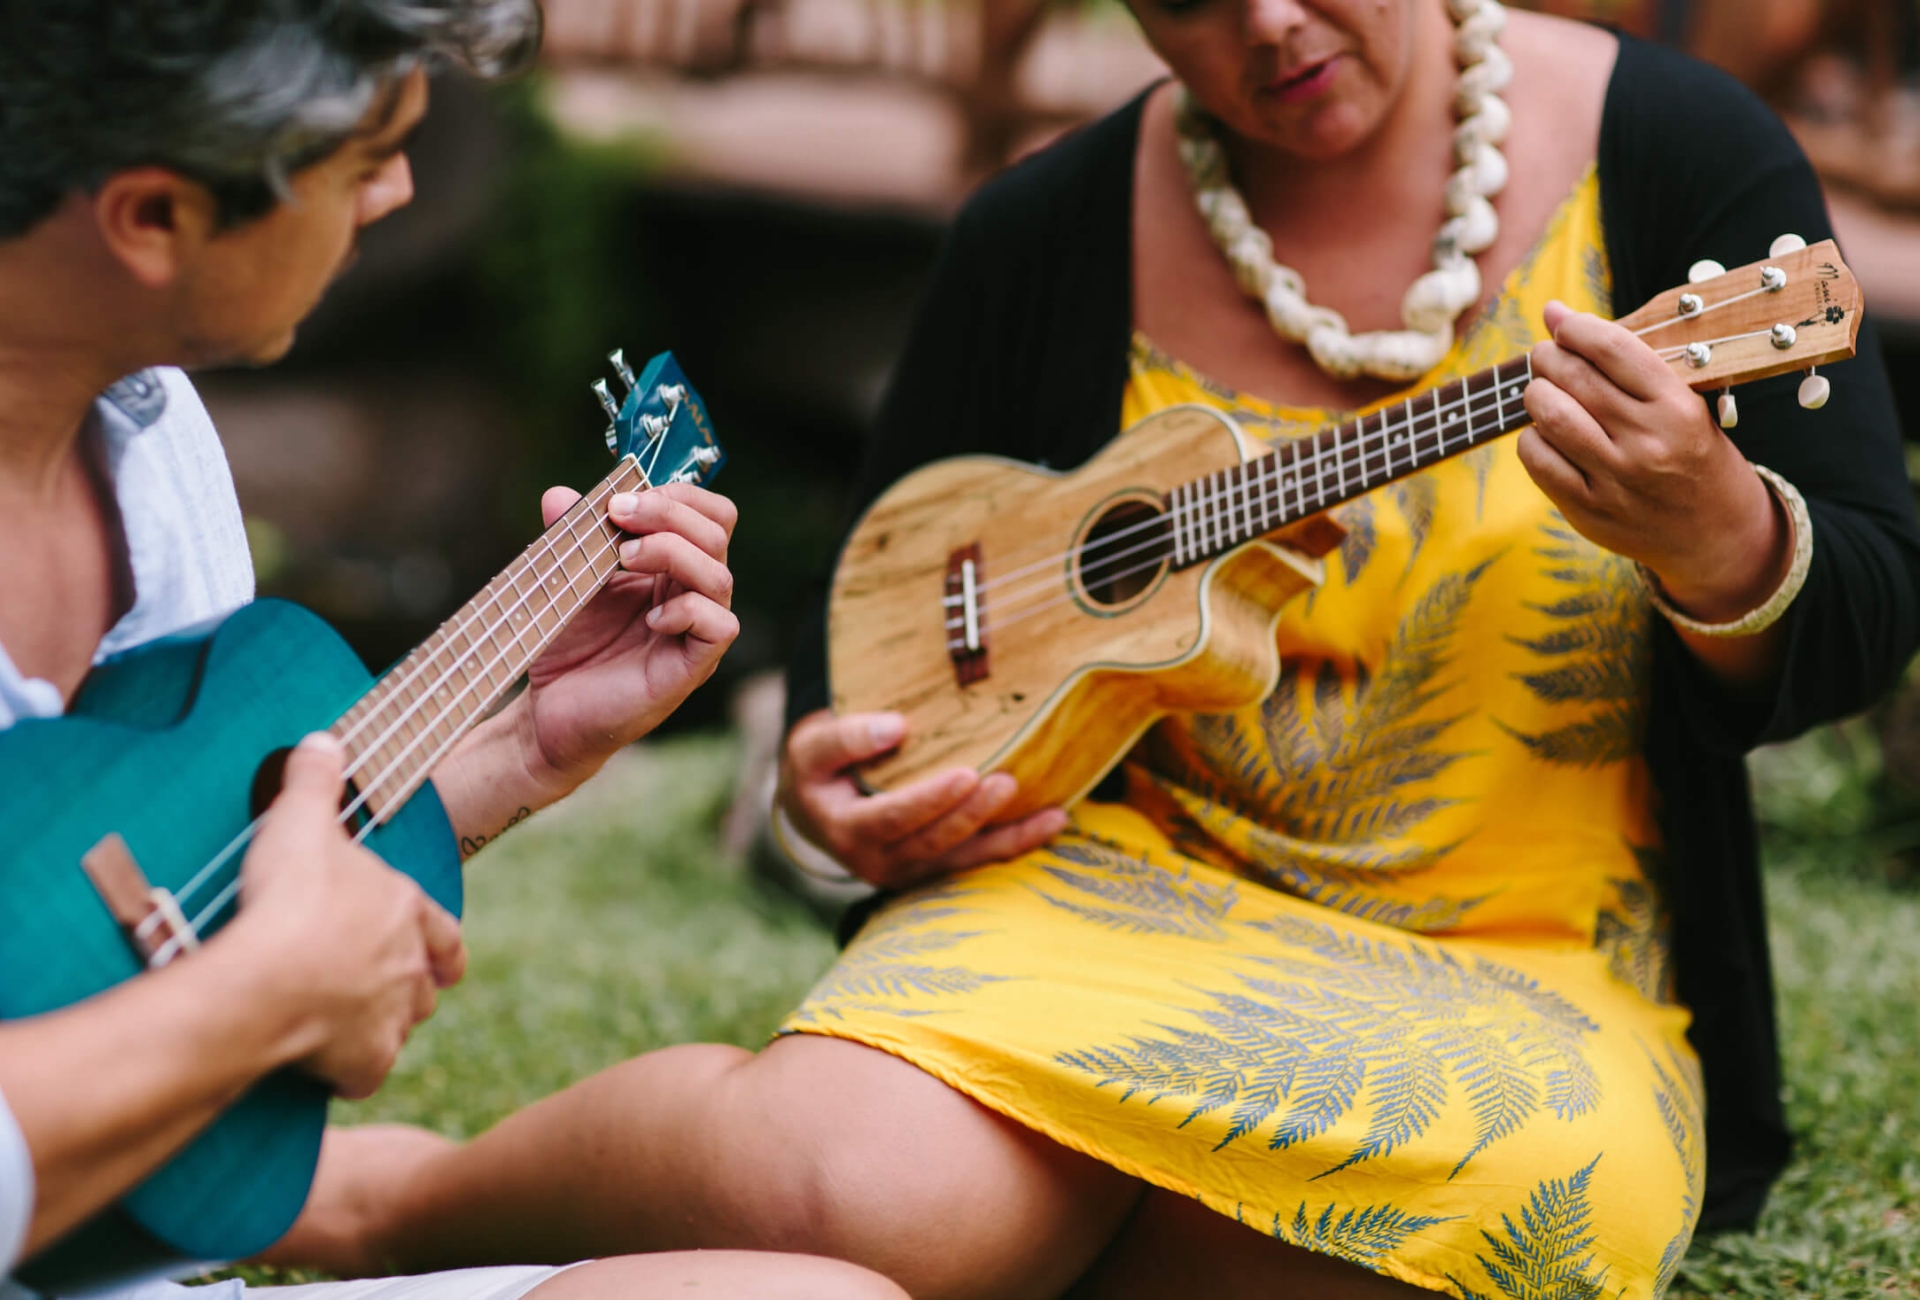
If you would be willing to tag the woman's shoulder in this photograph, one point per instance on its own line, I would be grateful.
(1668, 110)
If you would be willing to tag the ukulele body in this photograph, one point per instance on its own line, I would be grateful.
(161, 747)
(1073, 666)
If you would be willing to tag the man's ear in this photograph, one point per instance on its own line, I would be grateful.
(155, 222)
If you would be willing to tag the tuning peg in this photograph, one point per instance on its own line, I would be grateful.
(1814, 390)
(1729, 409)
(620, 367)
(1704, 269)
(1784, 336)
(1786, 244)
(607, 404)
(613, 438)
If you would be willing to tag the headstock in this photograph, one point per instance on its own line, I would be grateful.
(1797, 309)
(662, 423)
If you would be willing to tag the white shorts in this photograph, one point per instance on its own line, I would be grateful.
(509, 1283)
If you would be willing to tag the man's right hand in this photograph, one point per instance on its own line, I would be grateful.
(358, 950)
(937, 825)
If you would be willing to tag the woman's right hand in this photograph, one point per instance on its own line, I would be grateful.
(937, 825)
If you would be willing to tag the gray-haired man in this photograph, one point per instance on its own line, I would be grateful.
(179, 182)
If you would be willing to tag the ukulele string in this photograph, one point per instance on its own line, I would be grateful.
(1031, 609)
(1378, 441)
(546, 638)
(600, 491)
(205, 915)
(1674, 354)
(1706, 310)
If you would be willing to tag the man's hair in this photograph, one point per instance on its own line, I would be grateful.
(235, 94)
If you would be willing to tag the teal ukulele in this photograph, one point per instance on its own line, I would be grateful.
(142, 801)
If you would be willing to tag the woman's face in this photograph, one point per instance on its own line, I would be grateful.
(1312, 77)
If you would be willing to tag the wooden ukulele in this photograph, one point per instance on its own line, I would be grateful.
(1037, 623)
(146, 794)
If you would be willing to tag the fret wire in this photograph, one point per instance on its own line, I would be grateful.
(1220, 508)
(1249, 526)
(1213, 513)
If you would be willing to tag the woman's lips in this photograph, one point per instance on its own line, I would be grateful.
(1305, 84)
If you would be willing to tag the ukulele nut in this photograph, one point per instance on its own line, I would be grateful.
(1784, 337)
(1691, 304)
(1699, 354)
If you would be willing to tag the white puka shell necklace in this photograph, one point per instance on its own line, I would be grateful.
(1437, 298)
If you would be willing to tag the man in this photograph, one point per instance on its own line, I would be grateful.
(179, 182)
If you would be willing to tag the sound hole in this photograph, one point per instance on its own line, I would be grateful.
(271, 775)
(1124, 554)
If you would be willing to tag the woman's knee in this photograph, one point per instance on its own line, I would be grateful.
(869, 1159)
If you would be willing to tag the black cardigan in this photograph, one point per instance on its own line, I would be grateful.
(1020, 348)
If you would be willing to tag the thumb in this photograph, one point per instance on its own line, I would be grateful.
(554, 502)
(312, 774)
(1555, 313)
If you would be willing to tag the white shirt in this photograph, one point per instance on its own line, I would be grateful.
(187, 549)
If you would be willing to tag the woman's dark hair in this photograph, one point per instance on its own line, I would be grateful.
(236, 94)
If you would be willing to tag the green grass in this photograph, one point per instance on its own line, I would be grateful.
(608, 926)
(612, 925)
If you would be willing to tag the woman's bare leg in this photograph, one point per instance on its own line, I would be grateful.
(815, 1145)
(717, 1275)
(1174, 1247)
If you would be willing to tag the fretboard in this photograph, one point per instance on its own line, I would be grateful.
(1214, 514)
(414, 715)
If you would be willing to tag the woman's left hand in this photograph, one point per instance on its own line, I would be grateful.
(1635, 462)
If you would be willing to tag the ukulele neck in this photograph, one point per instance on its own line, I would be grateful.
(1212, 515)
(417, 712)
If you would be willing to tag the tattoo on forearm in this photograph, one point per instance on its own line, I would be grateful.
(472, 844)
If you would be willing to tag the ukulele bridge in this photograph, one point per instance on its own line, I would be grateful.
(966, 616)
(149, 916)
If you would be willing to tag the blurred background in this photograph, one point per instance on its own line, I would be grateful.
(760, 185)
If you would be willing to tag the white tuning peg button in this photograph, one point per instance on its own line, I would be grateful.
(1786, 244)
(1729, 410)
(1704, 269)
(1814, 391)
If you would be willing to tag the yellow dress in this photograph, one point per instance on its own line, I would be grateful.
(1379, 965)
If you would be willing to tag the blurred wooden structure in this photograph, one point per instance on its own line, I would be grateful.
(977, 57)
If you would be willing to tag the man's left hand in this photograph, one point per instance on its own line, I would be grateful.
(641, 646)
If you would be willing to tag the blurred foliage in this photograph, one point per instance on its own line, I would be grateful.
(563, 285)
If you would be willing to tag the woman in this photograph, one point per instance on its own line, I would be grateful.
(1365, 989)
